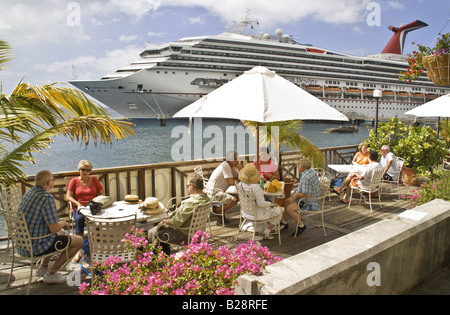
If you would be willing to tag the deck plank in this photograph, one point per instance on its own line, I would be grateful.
(339, 221)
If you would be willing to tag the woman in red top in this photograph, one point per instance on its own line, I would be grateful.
(80, 190)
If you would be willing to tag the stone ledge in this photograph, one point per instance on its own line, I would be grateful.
(406, 252)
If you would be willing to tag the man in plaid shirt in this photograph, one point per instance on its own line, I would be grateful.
(308, 186)
(41, 215)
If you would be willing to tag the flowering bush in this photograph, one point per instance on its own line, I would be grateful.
(199, 270)
(415, 65)
(437, 189)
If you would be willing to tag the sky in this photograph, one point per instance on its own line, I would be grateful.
(57, 40)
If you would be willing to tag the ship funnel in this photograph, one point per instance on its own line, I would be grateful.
(397, 42)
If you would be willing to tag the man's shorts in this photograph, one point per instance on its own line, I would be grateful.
(303, 205)
(60, 242)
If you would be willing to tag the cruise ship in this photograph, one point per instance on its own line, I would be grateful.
(170, 76)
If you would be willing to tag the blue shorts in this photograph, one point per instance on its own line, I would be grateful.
(303, 205)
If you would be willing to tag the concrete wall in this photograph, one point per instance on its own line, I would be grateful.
(388, 257)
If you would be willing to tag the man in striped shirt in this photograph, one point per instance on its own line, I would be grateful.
(41, 215)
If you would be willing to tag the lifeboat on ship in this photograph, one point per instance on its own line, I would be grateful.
(353, 91)
(368, 92)
(388, 93)
(333, 90)
(402, 94)
(317, 89)
(420, 95)
(430, 95)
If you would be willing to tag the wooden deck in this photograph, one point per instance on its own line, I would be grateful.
(339, 221)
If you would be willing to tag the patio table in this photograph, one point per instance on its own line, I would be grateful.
(347, 168)
(120, 209)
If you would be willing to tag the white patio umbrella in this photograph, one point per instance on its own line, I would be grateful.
(439, 107)
(261, 95)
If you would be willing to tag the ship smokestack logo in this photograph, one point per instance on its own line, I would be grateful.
(397, 42)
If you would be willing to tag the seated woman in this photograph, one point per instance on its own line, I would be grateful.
(249, 177)
(267, 167)
(80, 191)
(362, 156)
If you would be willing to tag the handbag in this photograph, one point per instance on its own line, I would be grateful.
(95, 207)
(106, 201)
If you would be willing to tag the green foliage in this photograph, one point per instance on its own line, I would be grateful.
(415, 65)
(435, 189)
(417, 145)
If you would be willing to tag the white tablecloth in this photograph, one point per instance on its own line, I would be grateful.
(121, 209)
(345, 169)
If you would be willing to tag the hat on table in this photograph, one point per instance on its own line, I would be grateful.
(152, 205)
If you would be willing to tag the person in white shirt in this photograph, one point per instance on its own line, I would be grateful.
(265, 210)
(364, 178)
(223, 177)
(389, 162)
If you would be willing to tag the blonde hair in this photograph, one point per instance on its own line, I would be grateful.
(362, 144)
(83, 163)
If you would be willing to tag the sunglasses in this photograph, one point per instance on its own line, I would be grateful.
(85, 169)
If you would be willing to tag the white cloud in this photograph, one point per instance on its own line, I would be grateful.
(395, 5)
(128, 38)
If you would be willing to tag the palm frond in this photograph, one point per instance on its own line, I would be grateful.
(5, 54)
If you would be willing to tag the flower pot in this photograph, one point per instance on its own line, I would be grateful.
(438, 68)
(409, 177)
(288, 185)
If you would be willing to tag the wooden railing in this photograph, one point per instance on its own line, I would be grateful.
(167, 180)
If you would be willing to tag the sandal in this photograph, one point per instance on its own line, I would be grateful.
(335, 191)
(342, 200)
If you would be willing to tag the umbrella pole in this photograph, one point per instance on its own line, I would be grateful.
(257, 145)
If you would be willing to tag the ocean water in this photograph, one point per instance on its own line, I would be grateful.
(153, 143)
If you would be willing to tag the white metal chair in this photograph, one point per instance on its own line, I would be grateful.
(71, 220)
(199, 221)
(105, 239)
(374, 187)
(211, 192)
(324, 188)
(21, 239)
(249, 214)
(10, 198)
(396, 175)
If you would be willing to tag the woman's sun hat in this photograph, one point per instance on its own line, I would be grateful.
(249, 174)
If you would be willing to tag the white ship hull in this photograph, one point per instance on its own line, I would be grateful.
(171, 76)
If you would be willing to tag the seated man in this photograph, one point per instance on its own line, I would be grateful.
(389, 162)
(41, 215)
(308, 186)
(364, 178)
(223, 177)
(181, 218)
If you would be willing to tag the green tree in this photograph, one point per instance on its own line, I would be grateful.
(31, 115)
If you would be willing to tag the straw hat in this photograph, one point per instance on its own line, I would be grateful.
(152, 205)
(249, 174)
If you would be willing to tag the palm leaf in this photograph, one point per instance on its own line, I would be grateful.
(32, 115)
(5, 54)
